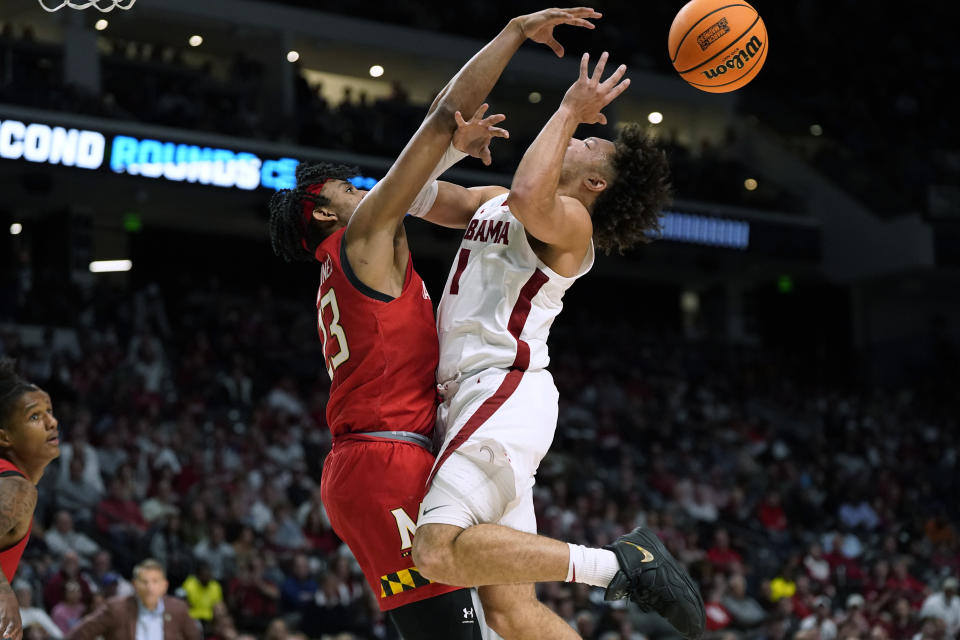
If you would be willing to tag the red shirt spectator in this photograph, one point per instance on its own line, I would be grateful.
(902, 584)
(771, 513)
(252, 596)
(119, 512)
(721, 555)
(54, 591)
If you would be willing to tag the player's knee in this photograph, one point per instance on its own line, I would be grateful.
(433, 555)
(509, 620)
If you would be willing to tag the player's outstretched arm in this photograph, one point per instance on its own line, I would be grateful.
(370, 233)
(553, 219)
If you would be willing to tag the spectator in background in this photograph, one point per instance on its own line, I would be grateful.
(821, 619)
(104, 577)
(162, 504)
(319, 534)
(904, 623)
(55, 589)
(67, 613)
(902, 584)
(856, 617)
(856, 512)
(253, 596)
(118, 517)
(149, 614)
(721, 555)
(944, 605)
(75, 493)
(31, 615)
(939, 531)
(717, 616)
(222, 627)
(298, 590)
(112, 453)
(816, 565)
(78, 447)
(202, 593)
(167, 544)
(63, 537)
(245, 546)
(744, 610)
(216, 553)
(287, 535)
(771, 513)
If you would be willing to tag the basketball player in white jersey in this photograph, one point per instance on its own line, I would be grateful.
(522, 249)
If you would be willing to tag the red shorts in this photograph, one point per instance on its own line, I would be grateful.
(372, 489)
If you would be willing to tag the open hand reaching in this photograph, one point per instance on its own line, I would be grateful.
(473, 136)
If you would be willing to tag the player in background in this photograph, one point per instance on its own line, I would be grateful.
(376, 322)
(523, 248)
(29, 441)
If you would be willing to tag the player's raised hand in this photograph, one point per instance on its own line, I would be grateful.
(588, 95)
(539, 26)
(474, 135)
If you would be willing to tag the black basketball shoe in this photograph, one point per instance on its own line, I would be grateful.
(656, 582)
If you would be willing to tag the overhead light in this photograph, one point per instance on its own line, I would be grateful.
(16, 228)
(109, 266)
(376, 71)
(654, 117)
(690, 301)
(816, 130)
(195, 41)
(293, 56)
(749, 184)
(534, 97)
(101, 24)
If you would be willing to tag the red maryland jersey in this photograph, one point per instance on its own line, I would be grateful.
(10, 557)
(381, 352)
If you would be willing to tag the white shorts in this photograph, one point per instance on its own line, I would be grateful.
(496, 428)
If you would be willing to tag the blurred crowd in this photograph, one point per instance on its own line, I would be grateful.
(880, 114)
(193, 432)
(152, 83)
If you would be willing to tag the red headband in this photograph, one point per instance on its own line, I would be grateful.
(308, 207)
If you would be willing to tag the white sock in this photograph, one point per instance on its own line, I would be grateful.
(591, 566)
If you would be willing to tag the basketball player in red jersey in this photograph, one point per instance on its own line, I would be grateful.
(375, 319)
(29, 441)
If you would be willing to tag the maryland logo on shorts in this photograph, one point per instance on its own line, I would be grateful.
(405, 580)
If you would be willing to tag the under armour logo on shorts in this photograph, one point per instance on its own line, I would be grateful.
(468, 614)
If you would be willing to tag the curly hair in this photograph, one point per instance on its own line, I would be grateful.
(12, 386)
(631, 206)
(291, 237)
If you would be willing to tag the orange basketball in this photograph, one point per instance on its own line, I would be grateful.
(717, 45)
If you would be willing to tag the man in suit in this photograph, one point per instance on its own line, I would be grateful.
(150, 614)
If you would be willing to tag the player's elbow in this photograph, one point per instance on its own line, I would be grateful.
(442, 117)
(526, 202)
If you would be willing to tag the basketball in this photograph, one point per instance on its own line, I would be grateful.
(717, 45)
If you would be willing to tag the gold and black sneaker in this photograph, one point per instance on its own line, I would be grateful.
(651, 577)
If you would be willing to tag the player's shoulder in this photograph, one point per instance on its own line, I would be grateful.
(578, 215)
(488, 193)
(18, 498)
(14, 484)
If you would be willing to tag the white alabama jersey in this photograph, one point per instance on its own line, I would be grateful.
(500, 299)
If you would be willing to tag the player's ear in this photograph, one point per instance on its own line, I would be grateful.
(5, 440)
(324, 214)
(595, 182)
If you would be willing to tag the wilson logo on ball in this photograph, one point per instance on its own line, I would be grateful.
(713, 34)
(718, 45)
(738, 60)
